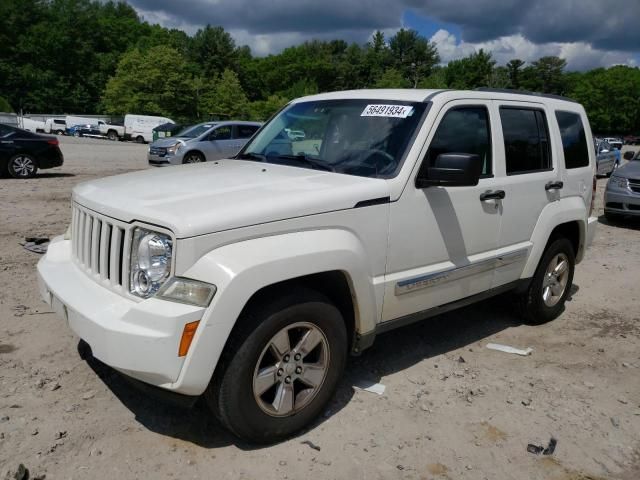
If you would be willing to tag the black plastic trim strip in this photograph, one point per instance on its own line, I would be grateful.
(372, 202)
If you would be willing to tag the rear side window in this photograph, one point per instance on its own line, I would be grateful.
(463, 130)
(526, 140)
(245, 131)
(574, 140)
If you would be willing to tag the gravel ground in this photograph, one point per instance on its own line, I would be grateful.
(452, 409)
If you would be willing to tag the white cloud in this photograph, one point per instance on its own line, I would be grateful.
(579, 55)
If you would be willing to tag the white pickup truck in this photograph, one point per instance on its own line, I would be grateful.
(112, 132)
(250, 280)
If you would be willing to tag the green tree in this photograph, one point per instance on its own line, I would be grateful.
(151, 82)
(262, 110)
(471, 72)
(545, 75)
(214, 50)
(392, 78)
(413, 55)
(4, 106)
(514, 70)
(226, 99)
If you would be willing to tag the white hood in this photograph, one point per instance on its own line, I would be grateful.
(210, 197)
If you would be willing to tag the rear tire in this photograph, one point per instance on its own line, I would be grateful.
(545, 297)
(112, 135)
(59, 132)
(140, 139)
(260, 390)
(22, 166)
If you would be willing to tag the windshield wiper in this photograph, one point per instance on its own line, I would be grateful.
(312, 162)
(252, 156)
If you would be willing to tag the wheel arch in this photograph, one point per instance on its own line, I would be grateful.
(330, 261)
(566, 218)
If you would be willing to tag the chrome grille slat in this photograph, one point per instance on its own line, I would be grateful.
(95, 245)
(104, 250)
(114, 256)
(86, 255)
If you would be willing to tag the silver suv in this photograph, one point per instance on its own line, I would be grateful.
(202, 142)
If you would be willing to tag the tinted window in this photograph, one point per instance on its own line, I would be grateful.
(5, 130)
(245, 131)
(221, 133)
(574, 140)
(526, 142)
(463, 130)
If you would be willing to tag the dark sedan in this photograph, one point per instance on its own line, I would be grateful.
(22, 153)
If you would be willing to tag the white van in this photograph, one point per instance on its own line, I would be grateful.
(55, 125)
(140, 127)
(30, 125)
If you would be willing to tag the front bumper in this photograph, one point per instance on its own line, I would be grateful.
(622, 202)
(164, 160)
(138, 338)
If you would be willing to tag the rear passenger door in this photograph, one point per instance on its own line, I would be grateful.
(531, 180)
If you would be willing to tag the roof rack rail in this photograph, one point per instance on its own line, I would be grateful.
(525, 92)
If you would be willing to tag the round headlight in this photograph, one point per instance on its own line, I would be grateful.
(151, 254)
(141, 283)
(154, 252)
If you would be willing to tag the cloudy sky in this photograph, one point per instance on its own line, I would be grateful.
(587, 33)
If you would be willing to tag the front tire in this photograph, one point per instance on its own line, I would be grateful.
(193, 157)
(139, 139)
(280, 367)
(22, 166)
(544, 300)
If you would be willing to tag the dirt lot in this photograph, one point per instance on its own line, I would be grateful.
(452, 408)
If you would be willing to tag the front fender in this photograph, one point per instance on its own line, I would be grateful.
(241, 269)
(571, 209)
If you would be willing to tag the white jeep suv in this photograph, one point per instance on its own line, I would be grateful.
(250, 280)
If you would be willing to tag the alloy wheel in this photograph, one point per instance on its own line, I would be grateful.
(291, 369)
(555, 280)
(23, 166)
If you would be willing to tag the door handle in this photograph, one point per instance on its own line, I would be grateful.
(554, 186)
(7, 141)
(495, 195)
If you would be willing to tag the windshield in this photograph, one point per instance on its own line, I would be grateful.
(357, 137)
(195, 131)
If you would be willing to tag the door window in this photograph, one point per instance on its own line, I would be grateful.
(463, 130)
(574, 140)
(221, 133)
(526, 140)
(245, 131)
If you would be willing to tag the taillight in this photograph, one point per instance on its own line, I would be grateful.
(53, 141)
(593, 195)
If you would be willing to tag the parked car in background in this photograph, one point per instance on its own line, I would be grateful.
(202, 142)
(615, 142)
(85, 130)
(632, 140)
(22, 153)
(55, 125)
(605, 158)
(111, 131)
(140, 127)
(622, 195)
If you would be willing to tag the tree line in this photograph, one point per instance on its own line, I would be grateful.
(83, 56)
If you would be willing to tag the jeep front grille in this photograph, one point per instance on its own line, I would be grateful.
(99, 246)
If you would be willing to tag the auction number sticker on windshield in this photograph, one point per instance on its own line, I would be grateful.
(395, 111)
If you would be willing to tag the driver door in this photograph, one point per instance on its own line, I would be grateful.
(443, 240)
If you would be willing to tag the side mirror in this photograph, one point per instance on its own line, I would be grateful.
(628, 155)
(451, 170)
